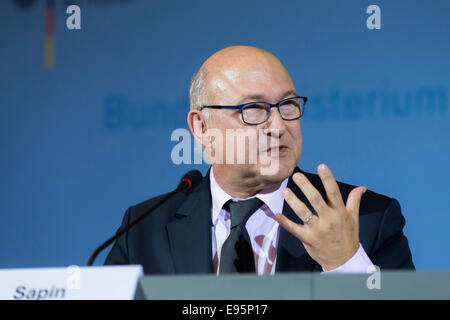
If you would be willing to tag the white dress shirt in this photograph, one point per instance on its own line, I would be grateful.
(263, 231)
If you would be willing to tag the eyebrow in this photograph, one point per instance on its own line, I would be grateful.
(259, 97)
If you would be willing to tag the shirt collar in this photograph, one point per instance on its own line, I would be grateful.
(274, 200)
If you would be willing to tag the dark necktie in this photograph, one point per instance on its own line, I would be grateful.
(237, 253)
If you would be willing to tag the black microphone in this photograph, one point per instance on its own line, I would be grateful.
(189, 181)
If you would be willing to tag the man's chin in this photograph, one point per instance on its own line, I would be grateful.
(276, 172)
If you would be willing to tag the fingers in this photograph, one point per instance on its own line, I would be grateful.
(314, 197)
(300, 209)
(354, 199)
(293, 228)
(331, 186)
(336, 203)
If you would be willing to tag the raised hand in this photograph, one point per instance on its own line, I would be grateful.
(330, 234)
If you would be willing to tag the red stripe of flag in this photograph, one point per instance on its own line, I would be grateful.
(50, 19)
(49, 34)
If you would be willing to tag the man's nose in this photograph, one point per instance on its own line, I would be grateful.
(275, 125)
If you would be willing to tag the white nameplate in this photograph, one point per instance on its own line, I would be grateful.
(71, 283)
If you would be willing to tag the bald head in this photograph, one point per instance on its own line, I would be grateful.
(238, 56)
(235, 76)
(222, 76)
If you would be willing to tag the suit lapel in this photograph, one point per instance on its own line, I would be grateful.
(190, 234)
(291, 254)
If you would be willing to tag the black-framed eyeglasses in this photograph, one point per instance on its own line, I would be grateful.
(254, 113)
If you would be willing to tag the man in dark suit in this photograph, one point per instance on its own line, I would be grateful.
(262, 216)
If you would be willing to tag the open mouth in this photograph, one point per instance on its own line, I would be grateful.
(277, 150)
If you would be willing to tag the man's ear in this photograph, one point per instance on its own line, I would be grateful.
(197, 124)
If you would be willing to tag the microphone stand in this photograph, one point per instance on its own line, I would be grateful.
(185, 183)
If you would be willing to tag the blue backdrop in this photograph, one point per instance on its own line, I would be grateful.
(89, 136)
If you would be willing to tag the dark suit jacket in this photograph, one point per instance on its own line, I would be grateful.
(176, 237)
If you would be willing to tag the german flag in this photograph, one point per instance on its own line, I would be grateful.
(49, 44)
